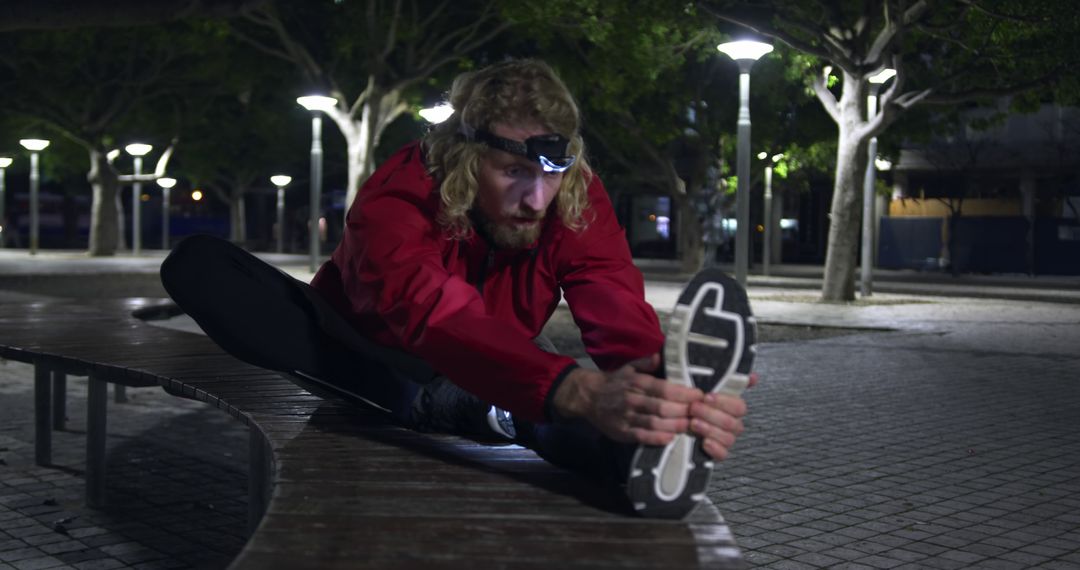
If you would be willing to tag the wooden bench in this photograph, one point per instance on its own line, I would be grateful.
(333, 485)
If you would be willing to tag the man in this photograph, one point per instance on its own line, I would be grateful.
(456, 252)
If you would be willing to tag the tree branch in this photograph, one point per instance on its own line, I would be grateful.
(298, 54)
(767, 30)
(61, 14)
(391, 34)
(950, 98)
(828, 100)
(934, 33)
(463, 40)
(912, 98)
(892, 30)
(260, 46)
(996, 14)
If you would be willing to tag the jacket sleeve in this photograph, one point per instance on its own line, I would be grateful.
(392, 249)
(605, 291)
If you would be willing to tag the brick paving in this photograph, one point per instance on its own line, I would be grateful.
(941, 449)
(176, 485)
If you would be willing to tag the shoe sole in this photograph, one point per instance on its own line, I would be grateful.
(710, 345)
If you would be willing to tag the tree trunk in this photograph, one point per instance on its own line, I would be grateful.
(105, 215)
(845, 215)
(237, 219)
(691, 246)
(359, 161)
(362, 136)
(950, 241)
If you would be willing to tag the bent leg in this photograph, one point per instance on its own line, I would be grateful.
(265, 317)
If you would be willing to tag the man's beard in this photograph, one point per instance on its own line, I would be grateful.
(508, 235)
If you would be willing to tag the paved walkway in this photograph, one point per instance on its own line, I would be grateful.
(176, 485)
(939, 433)
(953, 442)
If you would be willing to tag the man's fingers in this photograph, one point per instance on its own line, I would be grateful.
(659, 388)
(656, 423)
(719, 421)
(648, 405)
(730, 405)
(715, 449)
(713, 432)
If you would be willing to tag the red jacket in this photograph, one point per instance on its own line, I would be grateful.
(470, 310)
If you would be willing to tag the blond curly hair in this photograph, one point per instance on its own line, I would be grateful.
(516, 91)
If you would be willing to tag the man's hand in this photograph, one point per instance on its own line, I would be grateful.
(631, 405)
(628, 404)
(718, 421)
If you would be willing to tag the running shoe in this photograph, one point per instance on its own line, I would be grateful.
(710, 345)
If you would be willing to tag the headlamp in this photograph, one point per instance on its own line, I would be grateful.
(550, 151)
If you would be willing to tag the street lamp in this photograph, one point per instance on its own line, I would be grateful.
(866, 271)
(281, 181)
(766, 247)
(316, 104)
(438, 113)
(137, 150)
(745, 53)
(166, 184)
(35, 146)
(4, 163)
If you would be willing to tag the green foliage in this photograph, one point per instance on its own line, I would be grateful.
(731, 184)
(655, 91)
(102, 88)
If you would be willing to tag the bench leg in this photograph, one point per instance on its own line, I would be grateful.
(59, 400)
(120, 394)
(42, 416)
(96, 406)
(258, 477)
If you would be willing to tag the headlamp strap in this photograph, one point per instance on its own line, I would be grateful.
(551, 151)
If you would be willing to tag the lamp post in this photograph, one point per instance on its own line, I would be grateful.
(5, 162)
(137, 150)
(438, 113)
(35, 146)
(866, 271)
(766, 248)
(281, 181)
(745, 53)
(166, 184)
(316, 104)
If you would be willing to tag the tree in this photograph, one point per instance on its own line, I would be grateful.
(369, 56)
(84, 84)
(943, 53)
(238, 125)
(659, 103)
(646, 82)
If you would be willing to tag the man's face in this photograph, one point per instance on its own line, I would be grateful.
(514, 192)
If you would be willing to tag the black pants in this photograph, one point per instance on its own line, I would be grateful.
(265, 317)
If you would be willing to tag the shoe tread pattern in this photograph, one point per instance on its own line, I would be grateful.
(719, 349)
